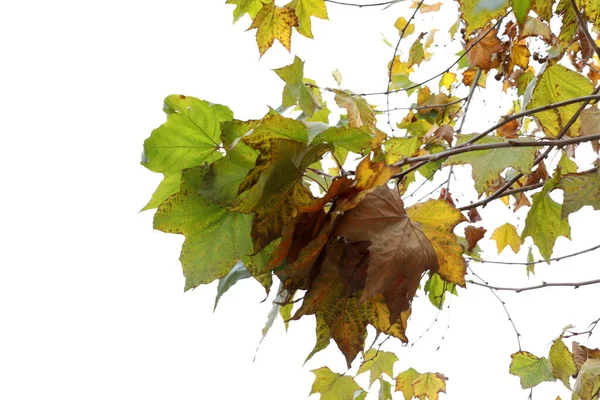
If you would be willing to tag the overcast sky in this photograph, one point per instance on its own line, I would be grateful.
(91, 298)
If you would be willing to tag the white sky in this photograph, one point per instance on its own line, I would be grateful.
(91, 298)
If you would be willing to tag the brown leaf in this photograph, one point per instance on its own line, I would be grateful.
(447, 197)
(473, 235)
(590, 124)
(579, 354)
(399, 254)
(522, 201)
(474, 215)
(509, 130)
(539, 175)
(353, 266)
(482, 53)
(445, 132)
(469, 76)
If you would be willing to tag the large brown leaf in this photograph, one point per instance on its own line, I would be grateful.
(399, 253)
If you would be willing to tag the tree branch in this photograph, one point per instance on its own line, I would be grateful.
(577, 253)
(574, 285)
(385, 3)
(584, 28)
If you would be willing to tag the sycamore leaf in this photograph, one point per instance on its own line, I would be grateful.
(473, 236)
(519, 55)
(404, 28)
(352, 139)
(323, 336)
(306, 9)
(378, 315)
(399, 253)
(587, 385)
(275, 185)
(334, 386)
(488, 164)
(295, 91)
(543, 8)
(530, 264)
(250, 7)
(557, 83)
(530, 369)
(506, 235)
(359, 111)
(438, 220)
(562, 363)
(429, 385)
(590, 124)
(404, 382)
(237, 273)
(385, 390)
(537, 28)
(483, 47)
(544, 223)
(579, 190)
(436, 289)
(398, 148)
(377, 362)
(190, 137)
(416, 54)
(478, 13)
(215, 239)
(274, 22)
(520, 9)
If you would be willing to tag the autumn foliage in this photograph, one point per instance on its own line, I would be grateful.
(253, 198)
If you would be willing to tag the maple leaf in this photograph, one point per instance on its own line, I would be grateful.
(323, 336)
(530, 369)
(377, 362)
(488, 164)
(275, 185)
(360, 114)
(295, 91)
(215, 239)
(385, 390)
(334, 386)
(579, 190)
(521, 9)
(438, 220)
(436, 289)
(404, 28)
(190, 137)
(404, 382)
(477, 14)
(544, 223)
(429, 385)
(562, 363)
(250, 7)
(274, 22)
(520, 55)
(557, 83)
(399, 253)
(506, 235)
(378, 315)
(304, 10)
(486, 46)
(473, 236)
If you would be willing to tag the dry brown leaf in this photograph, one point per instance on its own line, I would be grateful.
(487, 45)
(473, 235)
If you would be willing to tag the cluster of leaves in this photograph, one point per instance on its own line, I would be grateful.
(253, 199)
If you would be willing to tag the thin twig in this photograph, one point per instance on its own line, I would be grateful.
(423, 107)
(385, 3)
(574, 285)
(538, 261)
(584, 28)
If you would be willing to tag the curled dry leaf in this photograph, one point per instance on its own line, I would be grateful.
(473, 235)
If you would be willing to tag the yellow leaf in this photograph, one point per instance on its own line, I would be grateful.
(520, 55)
(438, 219)
(429, 385)
(401, 25)
(507, 235)
(447, 80)
(273, 22)
(304, 10)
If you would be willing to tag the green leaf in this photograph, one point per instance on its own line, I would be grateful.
(488, 164)
(530, 264)
(237, 273)
(190, 137)
(377, 362)
(436, 289)
(429, 385)
(250, 7)
(557, 83)
(478, 13)
(562, 362)
(334, 386)
(215, 239)
(352, 139)
(323, 336)
(295, 91)
(306, 9)
(385, 390)
(579, 190)
(530, 369)
(398, 148)
(544, 223)
(521, 9)
(404, 382)
(566, 165)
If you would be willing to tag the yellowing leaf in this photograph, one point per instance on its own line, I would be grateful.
(250, 7)
(401, 25)
(447, 80)
(323, 336)
(436, 289)
(306, 9)
(482, 48)
(190, 137)
(488, 164)
(295, 91)
(543, 8)
(215, 239)
(478, 13)
(506, 235)
(555, 84)
(590, 125)
(536, 27)
(438, 219)
(561, 362)
(274, 22)
(429, 385)
(334, 386)
(520, 56)
(530, 369)
(404, 382)
(398, 148)
(544, 223)
(377, 362)
(359, 111)
(580, 190)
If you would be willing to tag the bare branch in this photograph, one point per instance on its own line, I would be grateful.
(574, 285)
(583, 27)
(385, 3)
(423, 107)
(577, 253)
